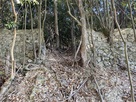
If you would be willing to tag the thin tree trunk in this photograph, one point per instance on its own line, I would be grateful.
(125, 50)
(40, 35)
(56, 22)
(24, 43)
(44, 16)
(132, 19)
(111, 26)
(43, 23)
(7, 63)
(0, 12)
(92, 40)
(34, 49)
(13, 43)
(73, 37)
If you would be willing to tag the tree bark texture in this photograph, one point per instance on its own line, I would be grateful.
(56, 23)
(83, 50)
(14, 40)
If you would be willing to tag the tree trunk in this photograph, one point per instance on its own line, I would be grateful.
(73, 37)
(24, 40)
(13, 43)
(43, 26)
(39, 22)
(56, 23)
(0, 13)
(83, 50)
(34, 49)
(132, 19)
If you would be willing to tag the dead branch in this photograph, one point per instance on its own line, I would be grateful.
(98, 89)
(72, 93)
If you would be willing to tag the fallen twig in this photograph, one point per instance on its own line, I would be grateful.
(98, 90)
(72, 93)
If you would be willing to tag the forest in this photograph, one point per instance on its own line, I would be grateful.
(67, 51)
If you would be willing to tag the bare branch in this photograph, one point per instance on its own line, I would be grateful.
(69, 12)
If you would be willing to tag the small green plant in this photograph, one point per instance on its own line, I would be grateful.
(10, 25)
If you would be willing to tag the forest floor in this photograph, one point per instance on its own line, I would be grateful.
(56, 80)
